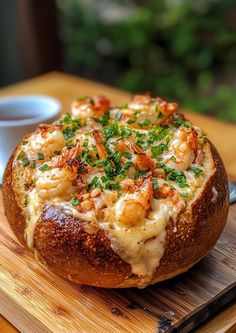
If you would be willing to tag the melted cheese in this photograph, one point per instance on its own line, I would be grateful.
(33, 212)
(141, 246)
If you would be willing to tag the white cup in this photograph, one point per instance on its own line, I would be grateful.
(20, 115)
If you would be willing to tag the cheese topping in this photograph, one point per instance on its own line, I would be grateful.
(126, 170)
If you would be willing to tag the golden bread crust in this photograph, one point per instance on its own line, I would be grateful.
(71, 252)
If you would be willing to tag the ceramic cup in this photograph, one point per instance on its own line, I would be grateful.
(20, 115)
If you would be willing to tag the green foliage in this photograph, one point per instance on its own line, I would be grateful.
(182, 50)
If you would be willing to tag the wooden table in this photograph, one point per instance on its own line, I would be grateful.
(223, 135)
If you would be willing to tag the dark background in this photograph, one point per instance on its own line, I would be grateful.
(184, 50)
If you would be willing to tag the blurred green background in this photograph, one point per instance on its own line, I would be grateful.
(183, 50)
(179, 49)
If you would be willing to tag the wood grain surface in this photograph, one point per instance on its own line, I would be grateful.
(35, 300)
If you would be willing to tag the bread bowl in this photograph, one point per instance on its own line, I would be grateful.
(117, 197)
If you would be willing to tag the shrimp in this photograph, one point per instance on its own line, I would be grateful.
(154, 111)
(132, 207)
(54, 182)
(141, 160)
(173, 196)
(184, 148)
(88, 107)
(99, 139)
(67, 155)
(46, 141)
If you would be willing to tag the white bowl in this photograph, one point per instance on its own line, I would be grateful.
(20, 115)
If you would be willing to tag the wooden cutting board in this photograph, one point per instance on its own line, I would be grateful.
(36, 300)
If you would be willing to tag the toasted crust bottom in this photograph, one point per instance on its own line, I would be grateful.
(62, 243)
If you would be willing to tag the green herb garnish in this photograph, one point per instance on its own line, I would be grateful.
(125, 132)
(179, 177)
(21, 155)
(179, 121)
(75, 202)
(185, 195)
(40, 156)
(157, 150)
(155, 184)
(68, 133)
(139, 173)
(111, 130)
(197, 171)
(95, 182)
(32, 164)
(105, 119)
(127, 155)
(131, 120)
(69, 143)
(25, 161)
(44, 167)
(144, 122)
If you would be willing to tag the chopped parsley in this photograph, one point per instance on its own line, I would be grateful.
(132, 120)
(197, 171)
(125, 168)
(111, 130)
(109, 184)
(21, 155)
(69, 143)
(136, 112)
(87, 158)
(144, 122)
(115, 157)
(179, 177)
(127, 155)
(71, 126)
(140, 172)
(25, 142)
(68, 120)
(125, 132)
(95, 182)
(165, 168)
(158, 133)
(32, 164)
(179, 121)
(68, 133)
(157, 150)
(155, 184)
(105, 119)
(100, 163)
(44, 167)
(25, 161)
(85, 143)
(185, 195)
(108, 170)
(40, 156)
(75, 202)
